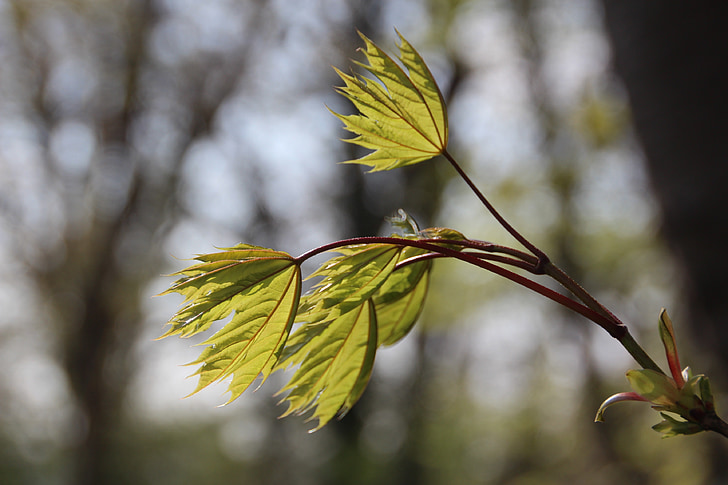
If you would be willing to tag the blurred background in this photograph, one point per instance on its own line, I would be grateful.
(137, 133)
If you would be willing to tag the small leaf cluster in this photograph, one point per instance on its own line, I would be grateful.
(682, 399)
(368, 296)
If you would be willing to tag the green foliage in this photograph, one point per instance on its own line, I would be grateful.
(403, 119)
(336, 343)
(370, 295)
(685, 396)
(262, 287)
(336, 357)
(372, 292)
(348, 280)
(400, 299)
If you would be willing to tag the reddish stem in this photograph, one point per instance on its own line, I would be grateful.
(616, 330)
(542, 258)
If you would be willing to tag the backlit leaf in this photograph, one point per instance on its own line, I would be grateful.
(336, 358)
(261, 288)
(336, 343)
(348, 280)
(369, 295)
(399, 301)
(403, 119)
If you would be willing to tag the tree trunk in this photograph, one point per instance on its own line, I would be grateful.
(673, 59)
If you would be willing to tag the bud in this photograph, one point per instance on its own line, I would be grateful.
(684, 396)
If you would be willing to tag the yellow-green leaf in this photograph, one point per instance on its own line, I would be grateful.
(671, 426)
(444, 233)
(336, 358)
(209, 285)
(654, 386)
(261, 288)
(348, 280)
(403, 119)
(399, 301)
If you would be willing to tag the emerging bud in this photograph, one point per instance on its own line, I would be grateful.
(685, 395)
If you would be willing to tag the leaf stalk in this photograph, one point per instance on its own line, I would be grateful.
(615, 329)
(540, 255)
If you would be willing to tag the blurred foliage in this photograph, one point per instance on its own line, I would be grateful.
(134, 130)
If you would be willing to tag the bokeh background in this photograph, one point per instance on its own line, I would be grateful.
(137, 133)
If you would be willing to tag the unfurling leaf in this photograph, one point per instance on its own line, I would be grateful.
(654, 386)
(686, 396)
(667, 335)
(262, 287)
(444, 233)
(405, 222)
(403, 119)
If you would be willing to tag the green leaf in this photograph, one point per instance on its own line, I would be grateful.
(403, 119)
(337, 341)
(442, 233)
(208, 287)
(336, 358)
(348, 280)
(670, 426)
(399, 301)
(654, 386)
(706, 394)
(366, 289)
(262, 287)
(696, 392)
(405, 222)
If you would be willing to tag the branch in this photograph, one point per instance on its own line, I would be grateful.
(436, 246)
(711, 422)
(542, 258)
(489, 257)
